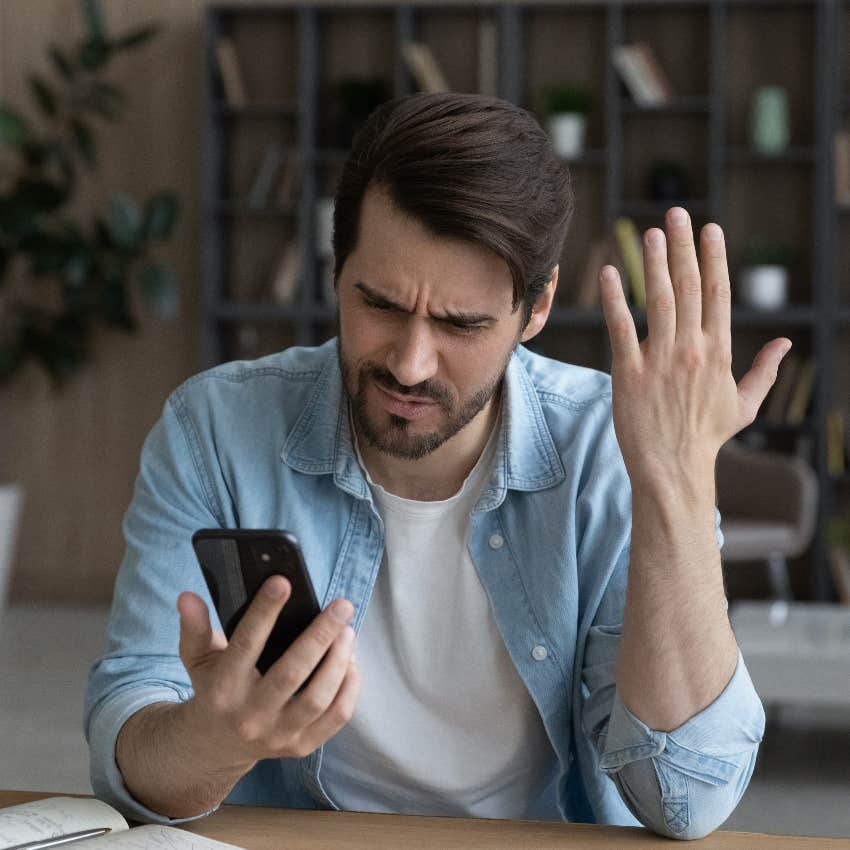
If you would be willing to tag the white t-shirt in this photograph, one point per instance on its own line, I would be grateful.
(444, 724)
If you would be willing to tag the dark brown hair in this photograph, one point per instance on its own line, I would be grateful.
(468, 167)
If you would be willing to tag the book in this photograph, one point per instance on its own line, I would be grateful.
(424, 67)
(652, 70)
(603, 251)
(230, 72)
(841, 163)
(273, 158)
(73, 820)
(836, 460)
(780, 393)
(488, 56)
(284, 281)
(801, 395)
(631, 64)
(630, 246)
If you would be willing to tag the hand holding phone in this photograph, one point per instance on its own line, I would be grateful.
(253, 716)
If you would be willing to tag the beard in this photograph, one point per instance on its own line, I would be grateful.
(394, 435)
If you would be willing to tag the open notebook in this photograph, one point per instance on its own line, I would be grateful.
(65, 822)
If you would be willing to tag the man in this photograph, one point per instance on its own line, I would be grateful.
(527, 550)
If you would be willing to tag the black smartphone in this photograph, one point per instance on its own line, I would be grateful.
(235, 562)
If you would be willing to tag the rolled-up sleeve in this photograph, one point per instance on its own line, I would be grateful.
(687, 782)
(141, 663)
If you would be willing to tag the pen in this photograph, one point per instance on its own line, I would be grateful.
(60, 839)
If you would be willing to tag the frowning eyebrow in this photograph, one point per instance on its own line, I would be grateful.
(458, 317)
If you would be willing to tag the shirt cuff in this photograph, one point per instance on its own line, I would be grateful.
(106, 779)
(703, 747)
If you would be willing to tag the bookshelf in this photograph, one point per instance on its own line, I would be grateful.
(296, 59)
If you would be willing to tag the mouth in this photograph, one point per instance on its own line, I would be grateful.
(408, 407)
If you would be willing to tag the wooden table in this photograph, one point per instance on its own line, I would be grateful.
(293, 829)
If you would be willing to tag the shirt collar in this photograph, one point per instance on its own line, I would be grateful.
(526, 457)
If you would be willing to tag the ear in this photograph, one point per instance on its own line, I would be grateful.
(540, 311)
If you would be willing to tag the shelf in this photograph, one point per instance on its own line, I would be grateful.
(682, 105)
(790, 156)
(591, 158)
(269, 311)
(650, 209)
(241, 209)
(279, 109)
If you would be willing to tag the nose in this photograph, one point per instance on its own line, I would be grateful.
(413, 355)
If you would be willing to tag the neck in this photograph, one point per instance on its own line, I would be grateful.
(440, 474)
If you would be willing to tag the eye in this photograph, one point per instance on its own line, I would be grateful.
(376, 305)
(465, 329)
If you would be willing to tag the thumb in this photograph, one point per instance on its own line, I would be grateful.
(756, 384)
(197, 639)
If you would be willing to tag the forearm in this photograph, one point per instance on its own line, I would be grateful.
(678, 651)
(166, 768)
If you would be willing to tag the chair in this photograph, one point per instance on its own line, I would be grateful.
(768, 503)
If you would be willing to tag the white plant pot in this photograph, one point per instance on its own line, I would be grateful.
(764, 287)
(11, 498)
(567, 130)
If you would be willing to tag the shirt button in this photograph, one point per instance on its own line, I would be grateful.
(539, 653)
(496, 541)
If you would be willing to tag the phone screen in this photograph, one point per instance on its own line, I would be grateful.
(236, 562)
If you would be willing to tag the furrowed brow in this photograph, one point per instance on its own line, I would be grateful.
(458, 317)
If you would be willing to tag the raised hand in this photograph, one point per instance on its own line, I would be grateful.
(675, 400)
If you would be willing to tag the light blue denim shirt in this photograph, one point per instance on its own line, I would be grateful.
(267, 444)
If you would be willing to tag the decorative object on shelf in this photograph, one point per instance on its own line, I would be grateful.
(566, 107)
(780, 393)
(763, 281)
(424, 67)
(324, 227)
(642, 74)
(668, 181)
(631, 248)
(11, 498)
(230, 72)
(64, 276)
(841, 162)
(287, 186)
(769, 120)
(801, 396)
(348, 104)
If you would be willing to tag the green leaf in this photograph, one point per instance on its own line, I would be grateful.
(29, 199)
(14, 130)
(160, 290)
(93, 14)
(115, 305)
(62, 63)
(84, 141)
(136, 37)
(124, 218)
(161, 214)
(43, 94)
(106, 100)
(94, 54)
(77, 269)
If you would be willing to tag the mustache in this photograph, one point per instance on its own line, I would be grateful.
(425, 389)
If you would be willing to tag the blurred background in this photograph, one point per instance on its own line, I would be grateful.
(167, 172)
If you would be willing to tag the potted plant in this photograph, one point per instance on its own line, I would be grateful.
(62, 276)
(764, 278)
(566, 108)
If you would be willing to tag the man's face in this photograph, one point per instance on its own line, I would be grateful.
(426, 331)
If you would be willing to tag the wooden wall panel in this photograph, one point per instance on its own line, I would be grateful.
(77, 452)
